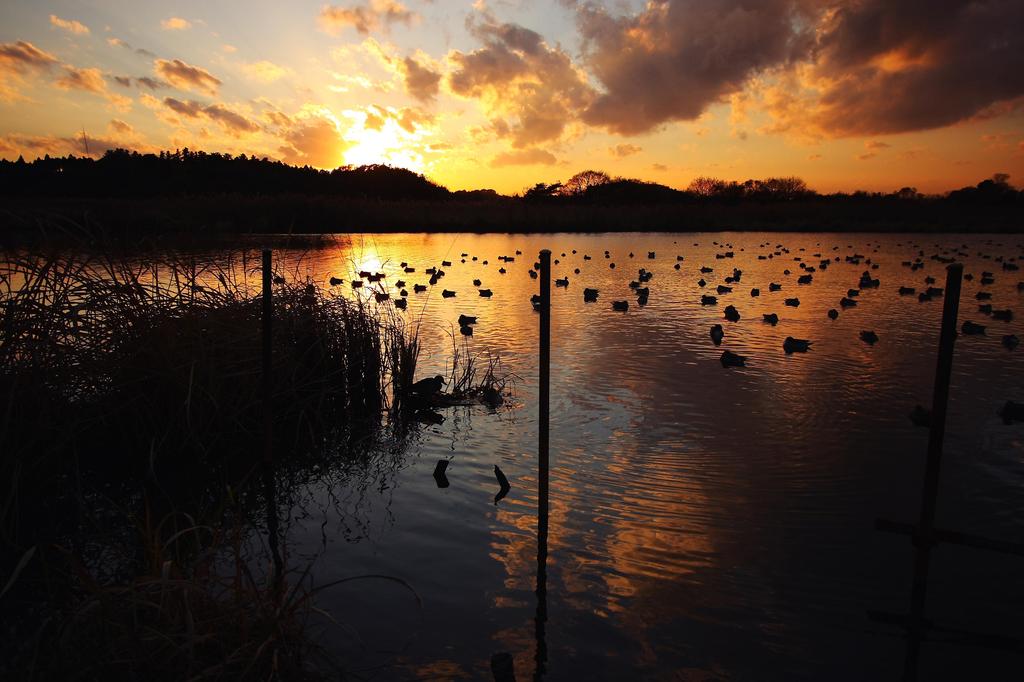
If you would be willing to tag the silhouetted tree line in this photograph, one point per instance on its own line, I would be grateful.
(121, 173)
(598, 187)
(126, 174)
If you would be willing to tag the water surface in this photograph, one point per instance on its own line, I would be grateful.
(705, 523)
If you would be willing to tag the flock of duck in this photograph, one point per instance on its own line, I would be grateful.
(805, 266)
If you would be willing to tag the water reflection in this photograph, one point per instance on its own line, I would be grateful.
(703, 522)
(693, 522)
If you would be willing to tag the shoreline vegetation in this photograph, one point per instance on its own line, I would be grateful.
(129, 195)
(146, 463)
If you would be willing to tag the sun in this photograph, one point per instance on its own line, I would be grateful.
(384, 141)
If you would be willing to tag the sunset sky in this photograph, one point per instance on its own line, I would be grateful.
(505, 93)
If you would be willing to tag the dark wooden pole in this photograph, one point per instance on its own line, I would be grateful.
(543, 464)
(545, 356)
(924, 540)
(269, 483)
(268, 354)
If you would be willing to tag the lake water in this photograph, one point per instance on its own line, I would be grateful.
(705, 523)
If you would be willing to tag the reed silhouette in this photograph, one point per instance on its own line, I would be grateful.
(137, 398)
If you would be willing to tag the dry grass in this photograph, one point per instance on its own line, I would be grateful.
(132, 417)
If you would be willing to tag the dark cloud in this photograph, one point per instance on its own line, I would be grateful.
(189, 109)
(675, 58)
(420, 81)
(893, 67)
(231, 121)
(21, 57)
(150, 83)
(141, 82)
(117, 42)
(532, 91)
(186, 77)
(833, 67)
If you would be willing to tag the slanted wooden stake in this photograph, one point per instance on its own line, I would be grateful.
(925, 537)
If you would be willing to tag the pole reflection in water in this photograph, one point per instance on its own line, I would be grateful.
(541, 617)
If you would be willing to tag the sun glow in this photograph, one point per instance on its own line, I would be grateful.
(377, 140)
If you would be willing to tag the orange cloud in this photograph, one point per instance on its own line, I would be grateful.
(120, 127)
(621, 151)
(175, 24)
(187, 77)
(372, 16)
(524, 157)
(35, 146)
(69, 25)
(313, 141)
(265, 71)
(89, 80)
(31, 146)
(18, 60)
(531, 92)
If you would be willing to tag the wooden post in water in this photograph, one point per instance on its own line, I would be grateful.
(544, 392)
(269, 484)
(924, 538)
(268, 353)
(543, 463)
